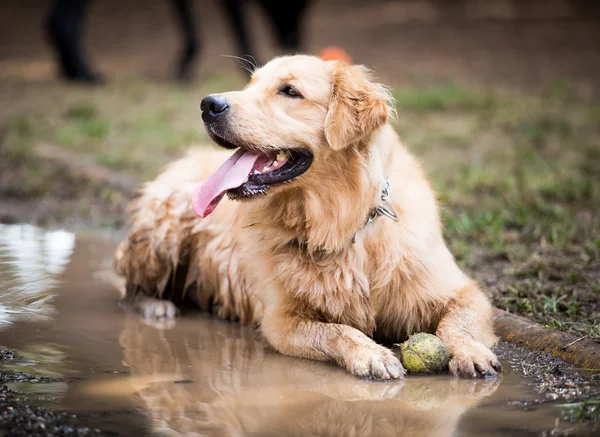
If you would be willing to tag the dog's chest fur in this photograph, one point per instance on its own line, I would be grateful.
(334, 288)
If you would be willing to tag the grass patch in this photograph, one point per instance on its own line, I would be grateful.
(442, 97)
(82, 111)
(577, 412)
(131, 126)
(16, 138)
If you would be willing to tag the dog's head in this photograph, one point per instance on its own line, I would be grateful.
(297, 114)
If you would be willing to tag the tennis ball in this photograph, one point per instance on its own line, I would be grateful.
(424, 353)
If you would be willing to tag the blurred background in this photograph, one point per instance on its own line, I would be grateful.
(499, 99)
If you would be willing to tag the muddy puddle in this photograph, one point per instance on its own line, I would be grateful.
(205, 377)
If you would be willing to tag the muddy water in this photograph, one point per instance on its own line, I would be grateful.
(207, 377)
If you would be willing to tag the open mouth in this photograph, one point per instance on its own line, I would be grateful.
(246, 175)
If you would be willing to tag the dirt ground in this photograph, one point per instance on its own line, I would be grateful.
(498, 98)
(510, 43)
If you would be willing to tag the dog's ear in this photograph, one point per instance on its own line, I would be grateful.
(357, 106)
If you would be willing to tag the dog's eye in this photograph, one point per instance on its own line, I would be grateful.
(289, 91)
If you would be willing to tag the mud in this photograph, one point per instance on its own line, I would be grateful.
(109, 373)
(24, 377)
(7, 354)
(18, 419)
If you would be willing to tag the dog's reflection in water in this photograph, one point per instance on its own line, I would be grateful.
(241, 388)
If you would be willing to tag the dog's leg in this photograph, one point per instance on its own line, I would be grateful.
(300, 337)
(157, 246)
(159, 241)
(467, 330)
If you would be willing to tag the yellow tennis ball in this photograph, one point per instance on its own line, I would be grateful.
(424, 353)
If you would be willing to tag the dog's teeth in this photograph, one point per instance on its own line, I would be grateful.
(281, 156)
(256, 172)
(274, 163)
(265, 168)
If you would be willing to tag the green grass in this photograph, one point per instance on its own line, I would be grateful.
(131, 126)
(518, 175)
(581, 411)
(441, 97)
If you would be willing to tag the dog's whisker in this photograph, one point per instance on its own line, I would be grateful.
(254, 63)
(242, 61)
(246, 64)
(251, 61)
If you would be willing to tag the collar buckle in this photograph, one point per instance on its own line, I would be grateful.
(381, 210)
(384, 210)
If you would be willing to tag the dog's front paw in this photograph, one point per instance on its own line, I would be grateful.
(156, 309)
(374, 361)
(472, 360)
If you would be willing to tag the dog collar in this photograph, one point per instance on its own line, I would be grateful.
(381, 210)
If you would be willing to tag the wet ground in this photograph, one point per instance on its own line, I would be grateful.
(79, 353)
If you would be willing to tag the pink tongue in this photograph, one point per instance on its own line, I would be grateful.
(231, 174)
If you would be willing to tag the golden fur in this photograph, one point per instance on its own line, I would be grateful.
(287, 262)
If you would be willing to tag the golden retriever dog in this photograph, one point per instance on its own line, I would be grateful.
(320, 228)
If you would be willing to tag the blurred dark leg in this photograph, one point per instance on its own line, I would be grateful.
(189, 51)
(236, 13)
(65, 23)
(287, 17)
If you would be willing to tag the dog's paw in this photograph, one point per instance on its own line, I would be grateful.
(474, 359)
(374, 361)
(156, 309)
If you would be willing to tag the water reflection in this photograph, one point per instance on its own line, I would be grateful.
(30, 262)
(228, 384)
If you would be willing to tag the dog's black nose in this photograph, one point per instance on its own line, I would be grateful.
(214, 105)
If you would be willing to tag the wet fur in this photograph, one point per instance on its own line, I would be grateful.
(286, 262)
